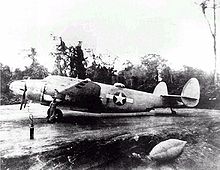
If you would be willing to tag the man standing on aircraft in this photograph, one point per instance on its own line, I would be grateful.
(62, 46)
(80, 69)
(72, 64)
(77, 61)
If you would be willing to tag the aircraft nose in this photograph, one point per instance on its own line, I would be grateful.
(16, 87)
(11, 86)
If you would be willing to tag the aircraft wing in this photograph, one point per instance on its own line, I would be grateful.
(85, 94)
(83, 88)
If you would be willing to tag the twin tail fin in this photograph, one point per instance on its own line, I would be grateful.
(190, 94)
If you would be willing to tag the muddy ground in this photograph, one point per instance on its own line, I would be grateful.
(107, 143)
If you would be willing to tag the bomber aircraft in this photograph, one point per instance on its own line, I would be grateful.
(93, 97)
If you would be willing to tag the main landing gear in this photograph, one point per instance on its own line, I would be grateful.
(173, 111)
(54, 114)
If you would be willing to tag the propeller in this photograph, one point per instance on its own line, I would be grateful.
(24, 97)
(42, 93)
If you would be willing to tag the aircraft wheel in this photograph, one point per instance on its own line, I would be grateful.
(173, 112)
(58, 115)
(48, 113)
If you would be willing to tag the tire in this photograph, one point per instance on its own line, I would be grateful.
(58, 115)
(48, 113)
(48, 116)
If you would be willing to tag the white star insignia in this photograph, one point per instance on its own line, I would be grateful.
(120, 98)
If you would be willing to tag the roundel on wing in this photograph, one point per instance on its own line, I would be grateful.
(119, 98)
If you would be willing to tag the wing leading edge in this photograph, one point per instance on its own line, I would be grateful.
(84, 94)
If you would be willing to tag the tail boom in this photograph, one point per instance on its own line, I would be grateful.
(189, 97)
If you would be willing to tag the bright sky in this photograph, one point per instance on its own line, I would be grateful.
(176, 30)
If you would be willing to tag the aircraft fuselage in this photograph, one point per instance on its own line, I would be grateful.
(113, 99)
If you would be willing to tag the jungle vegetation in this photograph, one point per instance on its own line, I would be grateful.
(144, 77)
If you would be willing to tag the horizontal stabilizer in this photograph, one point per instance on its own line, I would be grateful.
(190, 94)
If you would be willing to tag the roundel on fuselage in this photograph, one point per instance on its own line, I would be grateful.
(119, 98)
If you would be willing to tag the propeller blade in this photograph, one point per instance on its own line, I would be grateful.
(42, 93)
(21, 105)
(23, 98)
(25, 103)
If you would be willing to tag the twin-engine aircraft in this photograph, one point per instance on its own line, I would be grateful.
(72, 93)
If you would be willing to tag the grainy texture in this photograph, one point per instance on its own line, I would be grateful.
(98, 143)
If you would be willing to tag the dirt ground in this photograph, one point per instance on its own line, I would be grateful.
(107, 142)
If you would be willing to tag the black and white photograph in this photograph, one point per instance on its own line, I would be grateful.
(110, 84)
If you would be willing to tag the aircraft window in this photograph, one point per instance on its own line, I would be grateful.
(119, 85)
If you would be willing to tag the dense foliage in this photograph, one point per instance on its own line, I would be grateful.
(69, 61)
(34, 71)
(101, 71)
(144, 77)
(154, 69)
(5, 78)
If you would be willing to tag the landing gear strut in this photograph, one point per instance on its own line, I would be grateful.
(173, 111)
(54, 114)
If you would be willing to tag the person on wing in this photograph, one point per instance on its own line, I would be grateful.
(62, 46)
(80, 60)
(72, 59)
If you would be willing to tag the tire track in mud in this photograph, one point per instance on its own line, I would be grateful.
(109, 143)
(114, 150)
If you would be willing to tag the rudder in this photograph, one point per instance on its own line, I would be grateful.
(161, 89)
(191, 93)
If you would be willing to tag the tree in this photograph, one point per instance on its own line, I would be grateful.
(35, 70)
(175, 79)
(78, 62)
(69, 61)
(132, 75)
(17, 74)
(5, 79)
(146, 75)
(213, 5)
(100, 70)
(6, 76)
(61, 59)
(32, 55)
(153, 64)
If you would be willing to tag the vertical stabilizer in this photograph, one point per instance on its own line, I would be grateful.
(191, 93)
(161, 89)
